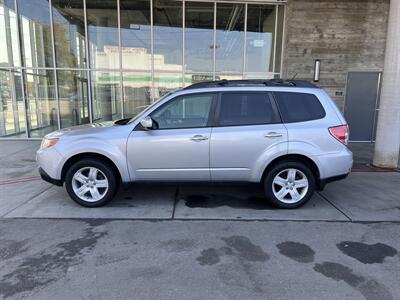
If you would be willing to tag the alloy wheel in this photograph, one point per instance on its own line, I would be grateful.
(90, 184)
(290, 185)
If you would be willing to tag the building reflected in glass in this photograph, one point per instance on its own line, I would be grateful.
(71, 62)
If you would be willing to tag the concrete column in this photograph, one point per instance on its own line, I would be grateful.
(388, 131)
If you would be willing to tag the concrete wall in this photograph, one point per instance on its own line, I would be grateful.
(344, 34)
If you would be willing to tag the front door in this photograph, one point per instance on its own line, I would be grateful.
(178, 146)
(248, 126)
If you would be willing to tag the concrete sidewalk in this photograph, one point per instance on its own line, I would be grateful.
(364, 196)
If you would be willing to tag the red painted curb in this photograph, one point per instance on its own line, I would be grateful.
(18, 180)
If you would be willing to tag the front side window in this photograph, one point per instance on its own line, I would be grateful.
(299, 107)
(246, 109)
(186, 111)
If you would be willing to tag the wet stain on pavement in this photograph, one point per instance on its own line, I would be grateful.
(214, 201)
(367, 253)
(369, 288)
(246, 249)
(242, 267)
(297, 251)
(49, 265)
(178, 245)
(209, 257)
(238, 246)
(10, 248)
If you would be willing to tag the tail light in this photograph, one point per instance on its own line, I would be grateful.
(341, 133)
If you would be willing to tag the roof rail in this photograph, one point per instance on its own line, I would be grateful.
(252, 82)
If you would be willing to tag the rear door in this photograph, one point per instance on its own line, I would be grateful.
(247, 125)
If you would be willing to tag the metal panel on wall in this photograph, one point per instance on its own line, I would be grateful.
(362, 95)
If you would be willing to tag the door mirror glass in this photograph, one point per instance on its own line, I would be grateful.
(147, 123)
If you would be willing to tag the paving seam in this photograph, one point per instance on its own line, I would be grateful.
(176, 200)
(203, 220)
(25, 202)
(335, 206)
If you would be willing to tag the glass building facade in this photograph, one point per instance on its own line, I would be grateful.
(71, 62)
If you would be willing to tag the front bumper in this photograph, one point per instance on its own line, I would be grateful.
(47, 178)
(50, 161)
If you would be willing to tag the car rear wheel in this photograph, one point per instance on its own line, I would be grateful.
(91, 183)
(289, 184)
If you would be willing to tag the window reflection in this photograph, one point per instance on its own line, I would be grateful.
(106, 95)
(199, 77)
(279, 38)
(167, 20)
(9, 34)
(166, 82)
(40, 95)
(72, 92)
(229, 37)
(137, 87)
(135, 34)
(12, 111)
(260, 38)
(69, 33)
(102, 20)
(199, 24)
(36, 33)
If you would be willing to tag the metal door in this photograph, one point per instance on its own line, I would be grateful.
(361, 104)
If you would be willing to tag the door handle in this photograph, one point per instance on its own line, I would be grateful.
(199, 138)
(273, 135)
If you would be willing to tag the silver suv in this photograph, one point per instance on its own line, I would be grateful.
(287, 135)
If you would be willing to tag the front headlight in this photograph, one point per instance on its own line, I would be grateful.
(48, 142)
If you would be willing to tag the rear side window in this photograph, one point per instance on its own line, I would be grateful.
(299, 107)
(246, 109)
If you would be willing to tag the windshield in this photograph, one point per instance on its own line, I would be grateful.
(137, 115)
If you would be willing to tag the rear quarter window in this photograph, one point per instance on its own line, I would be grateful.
(299, 107)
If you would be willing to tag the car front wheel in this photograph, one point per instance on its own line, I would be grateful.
(91, 183)
(289, 184)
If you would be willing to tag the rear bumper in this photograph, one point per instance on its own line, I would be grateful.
(47, 178)
(323, 182)
(335, 164)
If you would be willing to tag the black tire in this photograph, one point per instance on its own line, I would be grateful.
(278, 168)
(108, 172)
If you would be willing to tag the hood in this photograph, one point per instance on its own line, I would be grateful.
(81, 129)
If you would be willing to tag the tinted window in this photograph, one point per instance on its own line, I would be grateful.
(246, 109)
(184, 112)
(298, 107)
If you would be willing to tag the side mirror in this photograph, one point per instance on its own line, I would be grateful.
(147, 123)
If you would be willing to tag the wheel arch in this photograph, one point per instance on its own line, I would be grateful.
(89, 155)
(295, 157)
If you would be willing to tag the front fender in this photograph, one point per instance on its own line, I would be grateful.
(115, 152)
